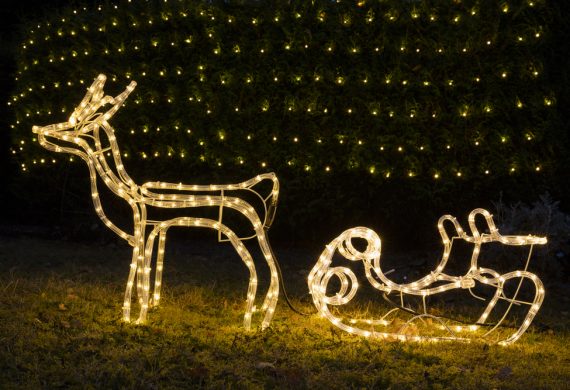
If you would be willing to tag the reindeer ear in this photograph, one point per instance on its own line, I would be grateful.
(488, 218)
(92, 97)
(120, 99)
(95, 91)
(98, 91)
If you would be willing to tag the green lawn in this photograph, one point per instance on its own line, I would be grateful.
(60, 313)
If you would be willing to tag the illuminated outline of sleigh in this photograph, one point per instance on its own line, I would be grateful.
(321, 274)
(82, 135)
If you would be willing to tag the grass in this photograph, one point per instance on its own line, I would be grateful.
(60, 313)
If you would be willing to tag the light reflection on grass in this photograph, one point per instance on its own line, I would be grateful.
(60, 315)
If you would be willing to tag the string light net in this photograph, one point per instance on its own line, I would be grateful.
(88, 135)
(389, 326)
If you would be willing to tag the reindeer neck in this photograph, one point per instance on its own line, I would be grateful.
(116, 180)
(112, 171)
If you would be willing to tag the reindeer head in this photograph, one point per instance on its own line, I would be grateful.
(69, 137)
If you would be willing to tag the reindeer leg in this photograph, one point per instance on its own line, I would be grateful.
(136, 264)
(145, 275)
(273, 293)
(247, 259)
(159, 266)
(129, 288)
(140, 232)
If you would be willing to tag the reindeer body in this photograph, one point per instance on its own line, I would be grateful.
(81, 136)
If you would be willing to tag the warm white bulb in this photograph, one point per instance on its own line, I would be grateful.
(88, 118)
(436, 282)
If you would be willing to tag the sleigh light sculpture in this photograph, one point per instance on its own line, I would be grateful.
(88, 135)
(436, 282)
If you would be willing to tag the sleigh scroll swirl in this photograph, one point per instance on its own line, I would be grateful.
(88, 135)
(436, 282)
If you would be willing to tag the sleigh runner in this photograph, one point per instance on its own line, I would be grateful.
(436, 282)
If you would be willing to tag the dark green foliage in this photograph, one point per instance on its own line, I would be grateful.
(542, 217)
(428, 102)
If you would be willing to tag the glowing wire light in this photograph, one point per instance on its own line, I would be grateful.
(435, 282)
(89, 135)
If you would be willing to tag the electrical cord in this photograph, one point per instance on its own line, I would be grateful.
(282, 283)
(384, 295)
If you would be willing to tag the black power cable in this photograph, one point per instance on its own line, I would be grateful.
(282, 283)
(384, 295)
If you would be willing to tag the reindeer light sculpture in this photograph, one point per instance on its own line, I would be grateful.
(88, 135)
(434, 283)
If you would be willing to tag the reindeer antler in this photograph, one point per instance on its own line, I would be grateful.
(95, 99)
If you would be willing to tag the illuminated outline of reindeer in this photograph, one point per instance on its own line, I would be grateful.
(322, 273)
(84, 126)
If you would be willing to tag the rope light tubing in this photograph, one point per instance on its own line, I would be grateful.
(81, 136)
(322, 273)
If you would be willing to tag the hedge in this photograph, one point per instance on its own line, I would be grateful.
(363, 108)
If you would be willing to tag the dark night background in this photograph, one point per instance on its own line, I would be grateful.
(16, 213)
(11, 13)
(63, 275)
